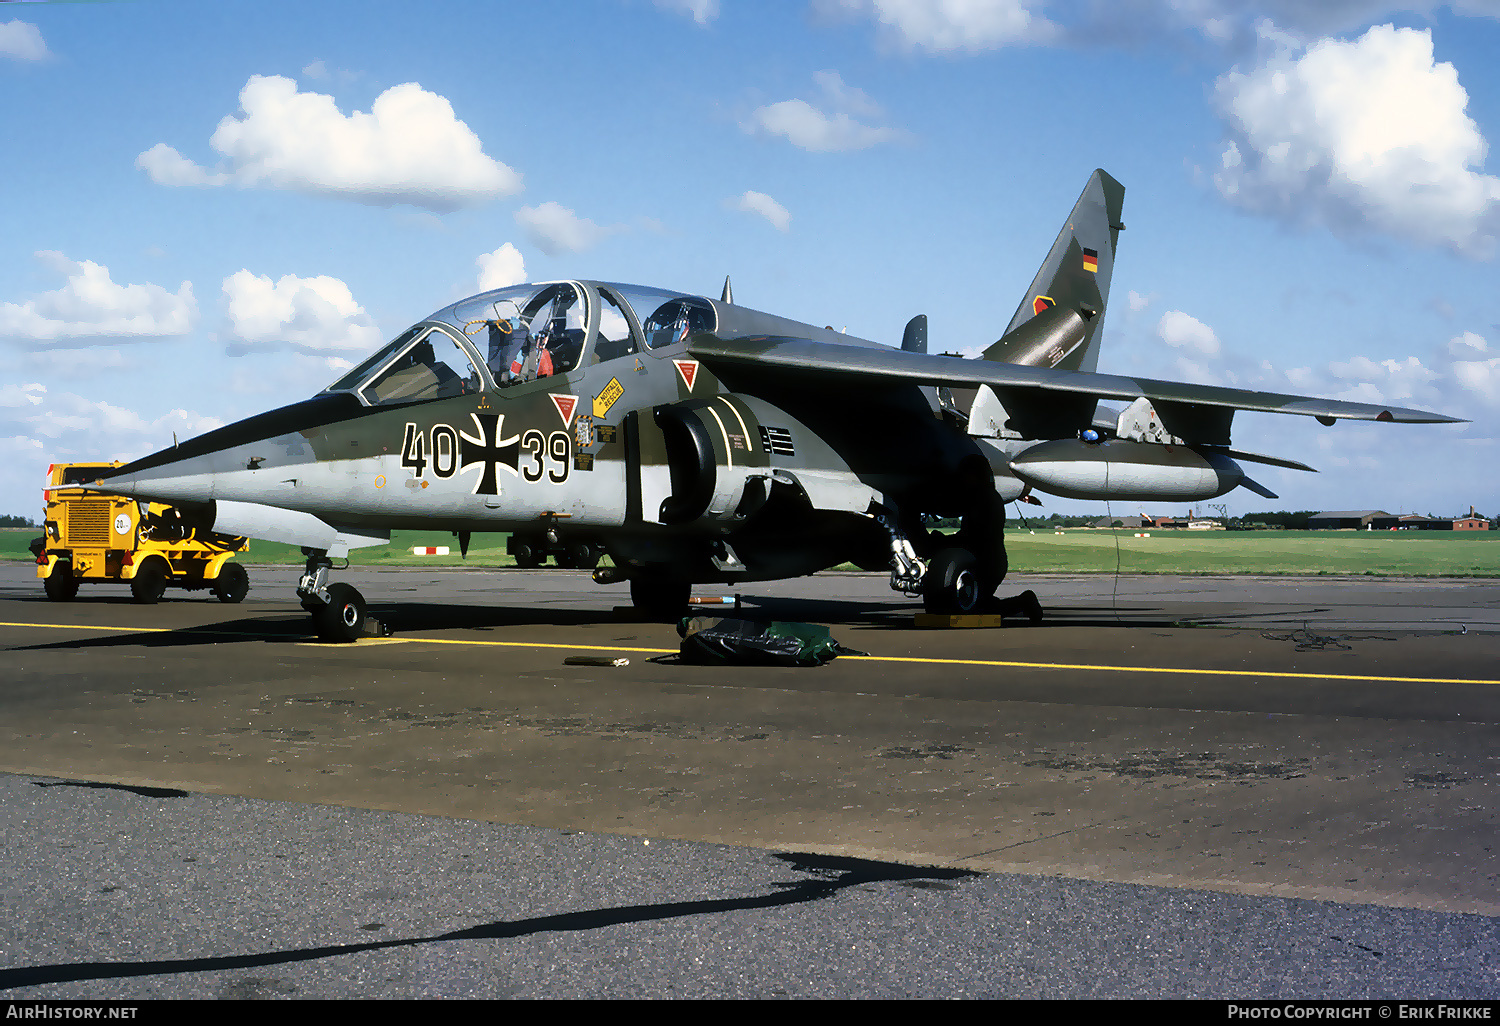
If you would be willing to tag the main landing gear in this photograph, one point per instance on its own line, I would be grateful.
(960, 577)
(338, 610)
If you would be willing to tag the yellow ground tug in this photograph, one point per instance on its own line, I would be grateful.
(92, 537)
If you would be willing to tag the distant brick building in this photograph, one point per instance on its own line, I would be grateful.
(1413, 522)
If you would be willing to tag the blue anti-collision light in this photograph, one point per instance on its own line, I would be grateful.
(1089, 435)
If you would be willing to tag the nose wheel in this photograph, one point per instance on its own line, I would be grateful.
(338, 610)
(342, 617)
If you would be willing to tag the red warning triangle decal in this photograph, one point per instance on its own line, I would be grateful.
(689, 371)
(565, 405)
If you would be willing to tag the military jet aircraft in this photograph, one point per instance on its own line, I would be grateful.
(700, 441)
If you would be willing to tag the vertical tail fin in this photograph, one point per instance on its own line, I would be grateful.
(1060, 321)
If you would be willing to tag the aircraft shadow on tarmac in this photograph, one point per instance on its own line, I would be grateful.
(826, 876)
(415, 617)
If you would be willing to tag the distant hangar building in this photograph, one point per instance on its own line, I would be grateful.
(1346, 519)
(1379, 520)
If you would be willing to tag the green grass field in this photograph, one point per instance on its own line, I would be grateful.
(1396, 553)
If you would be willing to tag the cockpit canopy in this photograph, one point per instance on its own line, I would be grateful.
(518, 334)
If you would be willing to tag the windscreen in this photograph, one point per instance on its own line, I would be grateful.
(433, 367)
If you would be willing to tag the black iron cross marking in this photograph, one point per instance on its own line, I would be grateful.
(488, 451)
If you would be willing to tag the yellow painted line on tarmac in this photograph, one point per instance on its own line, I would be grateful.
(921, 660)
(1175, 669)
(93, 627)
(544, 644)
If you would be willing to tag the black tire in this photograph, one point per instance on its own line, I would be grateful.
(60, 585)
(983, 534)
(343, 618)
(953, 583)
(150, 581)
(581, 556)
(232, 584)
(660, 598)
(526, 555)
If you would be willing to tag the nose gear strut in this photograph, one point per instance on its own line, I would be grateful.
(338, 610)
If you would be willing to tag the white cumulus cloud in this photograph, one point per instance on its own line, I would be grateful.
(1187, 332)
(314, 315)
(501, 268)
(804, 125)
(1472, 370)
(1399, 382)
(1368, 134)
(554, 229)
(753, 202)
(948, 26)
(410, 148)
(22, 396)
(91, 305)
(808, 126)
(1218, 19)
(22, 40)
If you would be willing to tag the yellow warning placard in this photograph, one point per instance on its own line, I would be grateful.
(606, 398)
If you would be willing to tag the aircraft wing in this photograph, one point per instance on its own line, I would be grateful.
(800, 359)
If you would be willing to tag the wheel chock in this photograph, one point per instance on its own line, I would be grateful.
(950, 621)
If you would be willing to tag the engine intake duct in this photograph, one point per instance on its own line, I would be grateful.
(717, 460)
(690, 459)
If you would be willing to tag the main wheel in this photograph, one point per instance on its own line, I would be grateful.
(232, 583)
(60, 585)
(953, 583)
(343, 618)
(150, 581)
(661, 598)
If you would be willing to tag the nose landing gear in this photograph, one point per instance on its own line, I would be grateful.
(338, 610)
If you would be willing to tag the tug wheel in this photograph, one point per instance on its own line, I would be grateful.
(232, 583)
(60, 585)
(150, 581)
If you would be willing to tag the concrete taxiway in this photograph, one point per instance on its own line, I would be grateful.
(1308, 738)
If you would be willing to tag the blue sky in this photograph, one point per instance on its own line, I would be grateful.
(208, 209)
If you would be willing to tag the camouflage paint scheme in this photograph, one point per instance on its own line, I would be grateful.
(700, 441)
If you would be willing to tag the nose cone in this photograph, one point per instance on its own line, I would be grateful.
(197, 470)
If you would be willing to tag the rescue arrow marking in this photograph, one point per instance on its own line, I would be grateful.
(607, 397)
